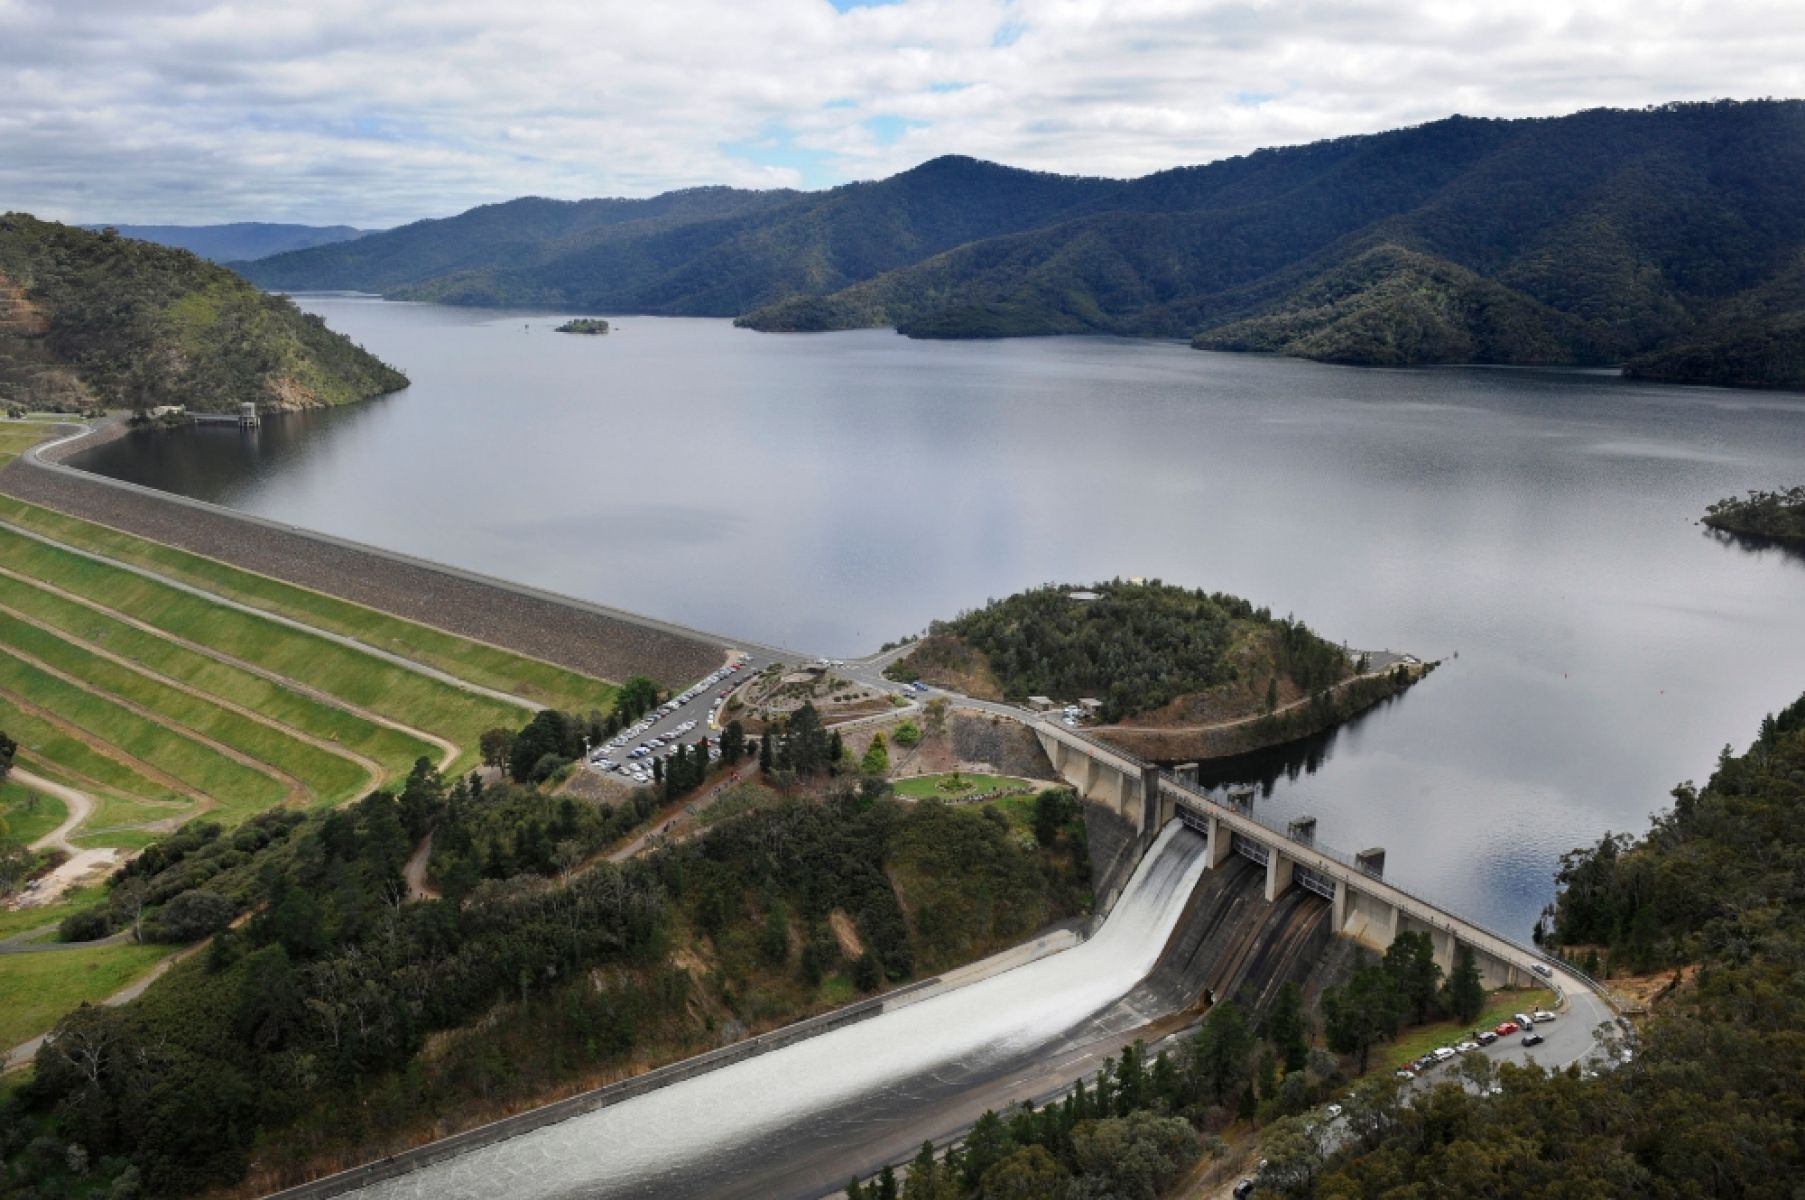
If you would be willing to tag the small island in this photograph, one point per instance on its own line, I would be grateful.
(584, 325)
(1779, 516)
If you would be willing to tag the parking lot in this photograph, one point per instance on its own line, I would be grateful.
(689, 718)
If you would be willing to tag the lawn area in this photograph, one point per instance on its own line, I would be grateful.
(1416, 1042)
(395, 750)
(37, 989)
(328, 775)
(478, 662)
(360, 678)
(922, 786)
(29, 815)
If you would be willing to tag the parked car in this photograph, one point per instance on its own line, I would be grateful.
(1505, 1028)
(1425, 1062)
(1443, 1053)
(1523, 1020)
(1542, 1014)
(1533, 1039)
(1466, 1047)
(1406, 1074)
(1485, 1037)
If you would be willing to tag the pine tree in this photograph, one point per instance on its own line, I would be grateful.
(1465, 994)
(764, 753)
(886, 1183)
(923, 1178)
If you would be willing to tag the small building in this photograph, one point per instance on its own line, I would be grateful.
(165, 410)
(1091, 706)
(1084, 597)
(1040, 703)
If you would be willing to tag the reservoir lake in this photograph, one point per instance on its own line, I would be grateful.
(1537, 529)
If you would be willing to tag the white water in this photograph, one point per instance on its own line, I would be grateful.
(639, 1147)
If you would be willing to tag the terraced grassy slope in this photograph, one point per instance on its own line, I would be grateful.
(164, 685)
(488, 666)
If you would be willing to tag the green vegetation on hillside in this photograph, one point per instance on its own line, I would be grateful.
(1710, 1103)
(1136, 646)
(1777, 515)
(339, 1020)
(95, 319)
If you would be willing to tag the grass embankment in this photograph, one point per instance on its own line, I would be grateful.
(36, 989)
(1499, 1007)
(327, 777)
(394, 750)
(16, 437)
(199, 767)
(489, 666)
(368, 682)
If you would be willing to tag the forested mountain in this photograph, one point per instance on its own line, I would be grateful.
(702, 252)
(240, 240)
(1668, 238)
(95, 319)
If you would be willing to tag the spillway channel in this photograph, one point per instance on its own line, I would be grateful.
(788, 1123)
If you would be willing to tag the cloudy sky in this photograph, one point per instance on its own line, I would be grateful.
(374, 112)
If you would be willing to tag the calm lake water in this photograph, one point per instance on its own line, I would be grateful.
(831, 492)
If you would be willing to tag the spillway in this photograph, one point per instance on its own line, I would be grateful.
(786, 1123)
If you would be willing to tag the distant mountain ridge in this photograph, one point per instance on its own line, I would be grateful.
(1670, 239)
(239, 241)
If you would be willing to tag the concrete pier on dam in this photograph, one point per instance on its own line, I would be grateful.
(1137, 798)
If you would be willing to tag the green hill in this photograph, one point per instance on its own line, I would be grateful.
(94, 319)
(1135, 646)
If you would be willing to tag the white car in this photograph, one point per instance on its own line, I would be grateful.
(1467, 1047)
(1443, 1053)
(1542, 1014)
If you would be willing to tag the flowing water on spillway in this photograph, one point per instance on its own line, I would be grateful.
(699, 1137)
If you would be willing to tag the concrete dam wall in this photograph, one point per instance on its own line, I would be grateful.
(1231, 943)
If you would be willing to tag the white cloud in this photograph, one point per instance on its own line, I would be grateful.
(379, 111)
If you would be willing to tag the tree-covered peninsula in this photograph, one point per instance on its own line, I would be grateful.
(589, 325)
(1777, 515)
(1179, 672)
(93, 320)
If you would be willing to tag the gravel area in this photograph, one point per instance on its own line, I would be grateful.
(589, 638)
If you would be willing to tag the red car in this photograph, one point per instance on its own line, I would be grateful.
(1506, 1029)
